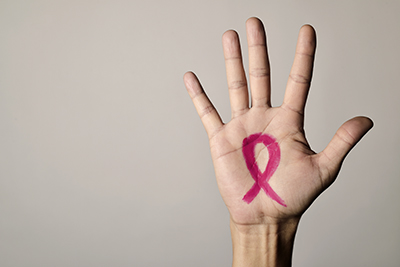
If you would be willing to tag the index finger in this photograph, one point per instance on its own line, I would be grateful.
(300, 76)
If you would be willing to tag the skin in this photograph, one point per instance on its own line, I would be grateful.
(263, 231)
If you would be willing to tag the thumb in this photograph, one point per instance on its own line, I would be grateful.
(346, 137)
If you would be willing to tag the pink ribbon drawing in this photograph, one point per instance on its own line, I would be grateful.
(261, 179)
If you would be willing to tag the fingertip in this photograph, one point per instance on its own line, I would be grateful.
(188, 75)
(306, 41)
(255, 31)
(190, 80)
(230, 34)
(361, 122)
(308, 35)
(308, 27)
(230, 37)
(357, 127)
(253, 22)
(365, 121)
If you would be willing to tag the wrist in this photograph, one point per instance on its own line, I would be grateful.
(263, 244)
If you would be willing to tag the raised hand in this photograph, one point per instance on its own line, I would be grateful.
(266, 171)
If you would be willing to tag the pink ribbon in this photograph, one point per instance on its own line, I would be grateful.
(261, 179)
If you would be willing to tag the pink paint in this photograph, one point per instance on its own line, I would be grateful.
(261, 179)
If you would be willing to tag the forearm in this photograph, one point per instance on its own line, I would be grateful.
(263, 245)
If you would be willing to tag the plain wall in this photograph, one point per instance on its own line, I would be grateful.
(104, 161)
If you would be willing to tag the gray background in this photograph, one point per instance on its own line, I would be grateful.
(104, 161)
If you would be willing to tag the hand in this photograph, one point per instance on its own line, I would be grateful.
(301, 174)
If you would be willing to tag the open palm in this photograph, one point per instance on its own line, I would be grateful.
(301, 174)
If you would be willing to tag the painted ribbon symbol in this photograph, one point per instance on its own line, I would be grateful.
(261, 179)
